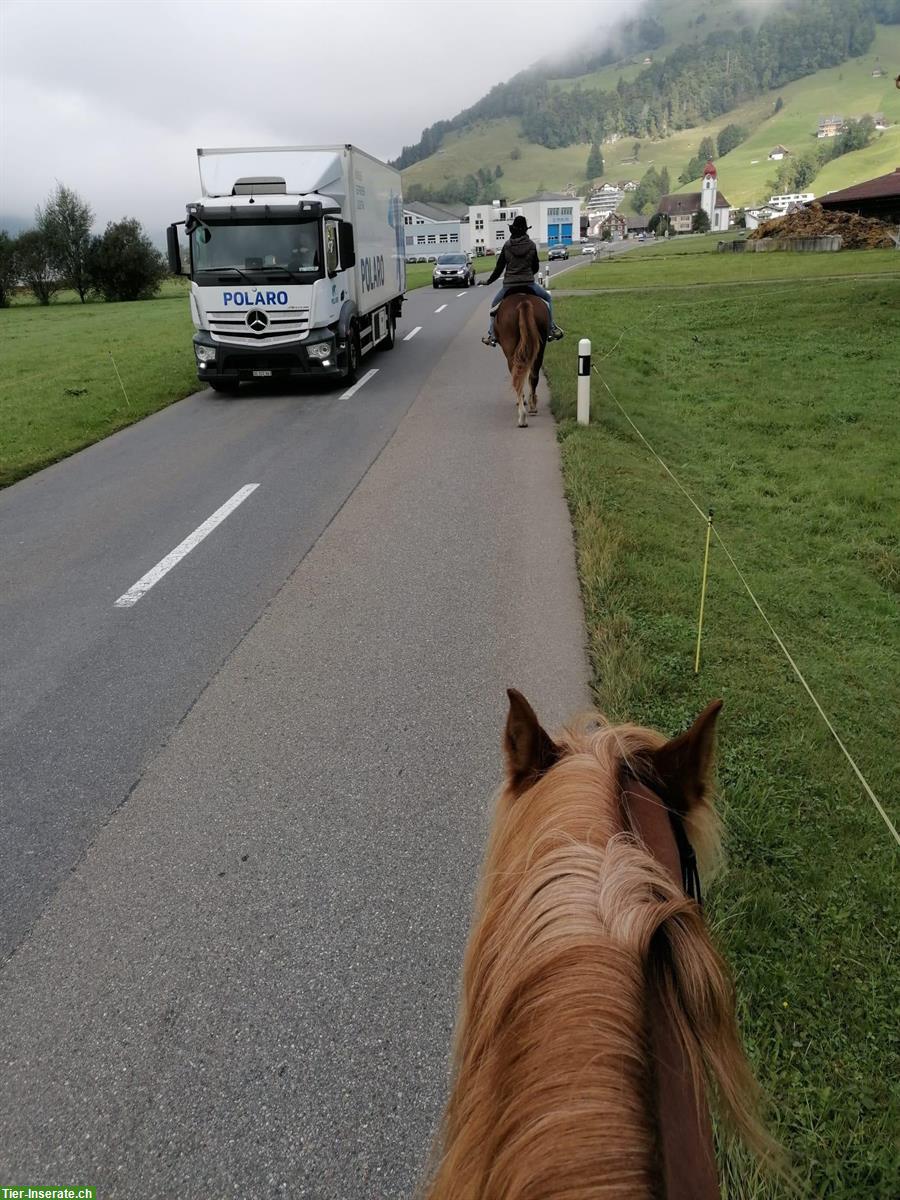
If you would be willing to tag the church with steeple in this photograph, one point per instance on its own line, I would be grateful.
(682, 207)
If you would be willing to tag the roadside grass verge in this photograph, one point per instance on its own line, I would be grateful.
(779, 411)
(58, 389)
(667, 265)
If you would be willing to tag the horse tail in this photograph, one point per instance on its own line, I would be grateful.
(527, 348)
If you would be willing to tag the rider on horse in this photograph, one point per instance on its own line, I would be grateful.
(519, 260)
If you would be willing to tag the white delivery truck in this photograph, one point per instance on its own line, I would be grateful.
(296, 259)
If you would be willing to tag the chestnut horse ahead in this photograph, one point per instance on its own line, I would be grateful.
(595, 1008)
(521, 328)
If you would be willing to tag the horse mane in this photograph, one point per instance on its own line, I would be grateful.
(552, 1093)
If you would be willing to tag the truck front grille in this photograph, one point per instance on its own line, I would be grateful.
(230, 327)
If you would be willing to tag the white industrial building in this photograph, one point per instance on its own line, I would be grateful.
(488, 225)
(554, 217)
(788, 200)
(433, 228)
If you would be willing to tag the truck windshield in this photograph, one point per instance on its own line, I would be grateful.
(288, 246)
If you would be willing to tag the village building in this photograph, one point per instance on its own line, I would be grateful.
(754, 217)
(777, 153)
(486, 227)
(554, 218)
(830, 127)
(604, 199)
(636, 224)
(682, 207)
(879, 197)
(614, 223)
(789, 200)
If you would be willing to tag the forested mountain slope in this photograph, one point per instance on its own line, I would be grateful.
(712, 66)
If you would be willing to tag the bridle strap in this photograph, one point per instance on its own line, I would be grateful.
(690, 875)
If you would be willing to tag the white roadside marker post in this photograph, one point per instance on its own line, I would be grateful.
(584, 382)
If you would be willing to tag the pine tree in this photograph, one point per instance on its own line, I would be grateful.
(595, 162)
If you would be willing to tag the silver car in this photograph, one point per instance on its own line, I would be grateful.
(453, 270)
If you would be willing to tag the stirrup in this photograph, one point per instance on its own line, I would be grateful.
(489, 340)
(555, 334)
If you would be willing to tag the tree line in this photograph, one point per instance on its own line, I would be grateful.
(62, 252)
(479, 187)
(693, 85)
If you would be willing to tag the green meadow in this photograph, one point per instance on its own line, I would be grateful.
(692, 261)
(774, 404)
(59, 390)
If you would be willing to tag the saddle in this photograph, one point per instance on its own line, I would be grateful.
(515, 290)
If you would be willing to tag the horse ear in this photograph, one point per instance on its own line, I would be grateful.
(683, 766)
(530, 752)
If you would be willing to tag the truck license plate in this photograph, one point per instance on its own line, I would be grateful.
(261, 374)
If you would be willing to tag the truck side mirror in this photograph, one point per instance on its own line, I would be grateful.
(174, 248)
(348, 253)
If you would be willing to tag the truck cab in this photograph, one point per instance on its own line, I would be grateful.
(289, 283)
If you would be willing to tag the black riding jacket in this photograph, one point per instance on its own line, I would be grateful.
(519, 259)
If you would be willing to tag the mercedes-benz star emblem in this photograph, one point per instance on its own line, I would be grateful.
(257, 320)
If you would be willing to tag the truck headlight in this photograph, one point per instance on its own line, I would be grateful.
(205, 354)
(319, 350)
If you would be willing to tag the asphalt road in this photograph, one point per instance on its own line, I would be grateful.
(242, 819)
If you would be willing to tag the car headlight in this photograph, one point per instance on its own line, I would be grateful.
(319, 350)
(205, 354)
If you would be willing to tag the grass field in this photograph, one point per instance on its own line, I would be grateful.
(743, 174)
(59, 391)
(776, 406)
(693, 261)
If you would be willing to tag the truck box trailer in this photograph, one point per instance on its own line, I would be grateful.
(296, 260)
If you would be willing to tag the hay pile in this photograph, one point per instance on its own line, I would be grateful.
(859, 233)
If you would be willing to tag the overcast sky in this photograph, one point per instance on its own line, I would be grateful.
(112, 97)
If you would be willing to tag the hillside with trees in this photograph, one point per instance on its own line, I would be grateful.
(697, 78)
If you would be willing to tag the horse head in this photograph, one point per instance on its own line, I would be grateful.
(596, 1011)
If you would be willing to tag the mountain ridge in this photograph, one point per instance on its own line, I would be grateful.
(517, 163)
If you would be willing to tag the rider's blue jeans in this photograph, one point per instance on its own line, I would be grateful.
(538, 291)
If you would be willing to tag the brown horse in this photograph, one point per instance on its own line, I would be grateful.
(521, 328)
(595, 1009)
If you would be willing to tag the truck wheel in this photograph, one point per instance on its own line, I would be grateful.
(387, 342)
(228, 387)
(352, 353)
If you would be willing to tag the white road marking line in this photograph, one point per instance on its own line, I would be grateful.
(441, 309)
(359, 383)
(458, 294)
(412, 333)
(146, 582)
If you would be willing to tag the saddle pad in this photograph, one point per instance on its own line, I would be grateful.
(518, 291)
